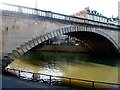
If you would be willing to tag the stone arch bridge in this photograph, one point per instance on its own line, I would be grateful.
(23, 28)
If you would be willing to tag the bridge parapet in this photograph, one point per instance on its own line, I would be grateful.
(48, 14)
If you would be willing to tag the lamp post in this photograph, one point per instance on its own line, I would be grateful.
(119, 12)
(36, 4)
(36, 7)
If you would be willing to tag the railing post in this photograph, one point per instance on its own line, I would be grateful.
(50, 80)
(20, 9)
(19, 73)
(119, 87)
(38, 75)
(33, 77)
(70, 82)
(7, 69)
(92, 85)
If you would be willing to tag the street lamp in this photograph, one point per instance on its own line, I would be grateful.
(119, 12)
(36, 7)
(36, 4)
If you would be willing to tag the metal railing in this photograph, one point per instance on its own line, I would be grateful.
(49, 14)
(54, 79)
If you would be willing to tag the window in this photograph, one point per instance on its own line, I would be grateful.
(105, 20)
(100, 19)
(90, 17)
(95, 18)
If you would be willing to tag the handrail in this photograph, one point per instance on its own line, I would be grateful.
(93, 82)
(43, 13)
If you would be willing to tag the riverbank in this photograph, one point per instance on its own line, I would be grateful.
(57, 48)
(11, 82)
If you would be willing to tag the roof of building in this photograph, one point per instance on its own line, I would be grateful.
(114, 19)
(94, 12)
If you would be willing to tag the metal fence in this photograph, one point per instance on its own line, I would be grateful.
(49, 14)
(51, 79)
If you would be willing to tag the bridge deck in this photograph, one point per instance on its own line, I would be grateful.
(37, 13)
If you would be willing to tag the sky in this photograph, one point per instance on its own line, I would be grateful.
(69, 7)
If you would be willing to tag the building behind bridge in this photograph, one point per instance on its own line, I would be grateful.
(115, 21)
(87, 13)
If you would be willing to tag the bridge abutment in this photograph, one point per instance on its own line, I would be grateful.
(17, 30)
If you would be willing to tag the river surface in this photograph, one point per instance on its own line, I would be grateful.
(73, 65)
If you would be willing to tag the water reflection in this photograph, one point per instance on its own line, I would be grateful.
(74, 65)
(46, 56)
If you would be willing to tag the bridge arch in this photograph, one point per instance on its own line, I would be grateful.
(75, 31)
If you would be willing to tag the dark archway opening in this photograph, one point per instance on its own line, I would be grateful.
(98, 44)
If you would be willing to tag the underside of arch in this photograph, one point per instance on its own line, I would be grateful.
(97, 43)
